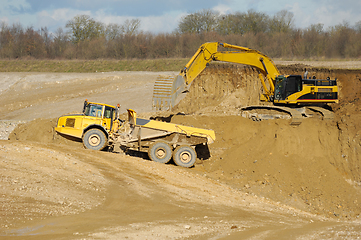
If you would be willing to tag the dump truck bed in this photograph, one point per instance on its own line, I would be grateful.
(171, 127)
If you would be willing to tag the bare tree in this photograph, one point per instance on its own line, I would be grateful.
(255, 22)
(16, 42)
(340, 39)
(34, 43)
(241, 23)
(313, 40)
(83, 27)
(60, 41)
(131, 27)
(199, 22)
(358, 26)
(47, 39)
(282, 22)
(229, 24)
(112, 31)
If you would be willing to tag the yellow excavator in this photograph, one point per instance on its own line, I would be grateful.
(284, 91)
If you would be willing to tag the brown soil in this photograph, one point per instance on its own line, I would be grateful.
(263, 180)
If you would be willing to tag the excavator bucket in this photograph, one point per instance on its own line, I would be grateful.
(168, 91)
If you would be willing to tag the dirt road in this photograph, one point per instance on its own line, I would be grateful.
(264, 180)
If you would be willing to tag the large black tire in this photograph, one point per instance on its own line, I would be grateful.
(160, 152)
(95, 139)
(184, 156)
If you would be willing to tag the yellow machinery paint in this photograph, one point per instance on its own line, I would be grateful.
(99, 126)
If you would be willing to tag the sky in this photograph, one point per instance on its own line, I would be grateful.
(163, 16)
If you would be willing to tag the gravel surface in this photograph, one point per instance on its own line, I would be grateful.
(7, 126)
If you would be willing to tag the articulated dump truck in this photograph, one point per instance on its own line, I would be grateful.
(100, 127)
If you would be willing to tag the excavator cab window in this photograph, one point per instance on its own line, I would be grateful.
(286, 86)
(279, 88)
(293, 85)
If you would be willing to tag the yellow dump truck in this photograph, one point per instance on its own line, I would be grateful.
(99, 126)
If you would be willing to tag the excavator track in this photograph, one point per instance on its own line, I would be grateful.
(295, 114)
(289, 113)
(327, 114)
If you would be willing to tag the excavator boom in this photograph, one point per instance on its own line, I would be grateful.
(209, 52)
(169, 91)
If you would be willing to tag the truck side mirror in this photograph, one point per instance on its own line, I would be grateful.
(117, 111)
(85, 104)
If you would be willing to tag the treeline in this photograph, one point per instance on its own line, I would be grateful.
(276, 36)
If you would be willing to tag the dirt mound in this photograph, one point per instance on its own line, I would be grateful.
(293, 165)
(42, 131)
(223, 87)
(38, 182)
(228, 86)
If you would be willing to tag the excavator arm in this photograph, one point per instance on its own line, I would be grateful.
(209, 52)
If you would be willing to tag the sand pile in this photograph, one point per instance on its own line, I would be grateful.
(293, 165)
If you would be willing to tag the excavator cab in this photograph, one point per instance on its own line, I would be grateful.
(294, 89)
(287, 85)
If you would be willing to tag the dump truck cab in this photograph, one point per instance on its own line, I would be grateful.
(100, 112)
(95, 115)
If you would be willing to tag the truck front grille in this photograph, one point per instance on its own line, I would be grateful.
(70, 122)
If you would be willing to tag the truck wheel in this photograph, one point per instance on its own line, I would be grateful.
(160, 152)
(94, 139)
(184, 156)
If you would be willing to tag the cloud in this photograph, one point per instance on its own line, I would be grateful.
(163, 15)
(327, 14)
(222, 9)
(14, 6)
(56, 18)
(306, 12)
(136, 8)
(14, 11)
(164, 23)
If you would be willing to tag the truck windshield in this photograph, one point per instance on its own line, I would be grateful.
(93, 110)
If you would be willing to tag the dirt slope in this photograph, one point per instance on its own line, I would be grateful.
(262, 180)
(314, 166)
(293, 165)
